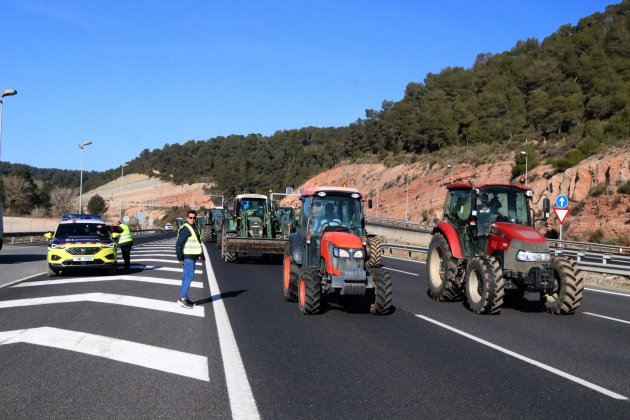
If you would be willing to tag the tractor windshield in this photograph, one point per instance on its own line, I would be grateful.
(501, 204)
(331, 210)
(253, 207)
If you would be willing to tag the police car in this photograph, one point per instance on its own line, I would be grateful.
(81, 241)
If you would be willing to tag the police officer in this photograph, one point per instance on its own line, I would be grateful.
(188, 249)
(125, 240)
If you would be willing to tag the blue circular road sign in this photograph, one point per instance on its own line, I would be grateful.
(562, 201)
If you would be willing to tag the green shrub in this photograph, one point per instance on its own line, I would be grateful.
(624, 188)
(596, 236)
(577, 209)
(597, 190)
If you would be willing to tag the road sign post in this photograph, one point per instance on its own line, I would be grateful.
(561, 214)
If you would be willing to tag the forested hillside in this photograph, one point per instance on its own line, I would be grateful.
(570, 92)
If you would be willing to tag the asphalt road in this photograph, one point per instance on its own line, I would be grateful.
(110, 347)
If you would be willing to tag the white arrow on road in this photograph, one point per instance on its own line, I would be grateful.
(171, 361)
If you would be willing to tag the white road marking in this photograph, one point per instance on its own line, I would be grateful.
(607, 317)
(404, 259)
(160, 268)
(20, 280)
(137, 302)
(173, 261)
(156, 280)
(242, 402)
(528, 360)
(607, 291)
(165, 360)
(400, 271)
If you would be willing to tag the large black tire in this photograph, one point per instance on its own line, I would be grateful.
(219, 237)
(567, 297)
(309, 291)
(441, 271)
(485, 285)
(374, 252)
(206, 233)
(291, 276)
(382, 304)
(229, 256)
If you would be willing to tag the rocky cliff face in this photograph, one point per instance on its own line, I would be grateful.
(416, 191)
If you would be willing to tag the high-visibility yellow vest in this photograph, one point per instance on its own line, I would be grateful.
(125, 236)
(192, 245)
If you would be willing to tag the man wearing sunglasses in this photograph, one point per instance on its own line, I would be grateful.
(188, 249)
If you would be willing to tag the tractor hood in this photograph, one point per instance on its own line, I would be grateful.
(341, 240)
(514, 231)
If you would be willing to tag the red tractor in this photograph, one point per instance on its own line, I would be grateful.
(487, 250)
(331, 253)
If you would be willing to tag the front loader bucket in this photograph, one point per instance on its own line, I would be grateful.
(255, 245)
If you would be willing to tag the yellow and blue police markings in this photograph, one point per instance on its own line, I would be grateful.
(81, 241)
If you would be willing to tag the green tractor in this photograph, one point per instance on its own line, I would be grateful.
(250, 229)
(285, 220)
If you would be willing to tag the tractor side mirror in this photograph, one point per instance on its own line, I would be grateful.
(546, 208)
(370, 203)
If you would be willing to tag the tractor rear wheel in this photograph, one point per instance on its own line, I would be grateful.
(310, 291)
(374, 252)
(441, 270)
(382, 304)
(229, 256)
(485, 285)
(219, 238)
(291, 275)
(567, 297)
(206, 233)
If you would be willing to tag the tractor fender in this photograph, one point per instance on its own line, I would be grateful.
(295, 247)
(446, 229)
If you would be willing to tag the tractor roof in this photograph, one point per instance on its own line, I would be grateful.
(328, 190)
(261, 196)
(466, 186)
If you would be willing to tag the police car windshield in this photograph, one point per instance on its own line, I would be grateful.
(77, 230)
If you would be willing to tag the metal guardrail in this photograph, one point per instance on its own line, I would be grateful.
(610, 263)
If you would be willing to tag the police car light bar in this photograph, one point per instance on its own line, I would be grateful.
(80, 216)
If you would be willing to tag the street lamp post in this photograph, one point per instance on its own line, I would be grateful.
(524, 153)
(122, 174)
(81, 146)
(7, 92)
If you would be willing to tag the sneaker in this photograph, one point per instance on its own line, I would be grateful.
(185, 303)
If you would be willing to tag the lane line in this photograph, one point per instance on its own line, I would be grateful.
(160, 268)
(152, 357)
(173, 261)
(400, 271)
(137, 302)
(21, 280)
(528, 360)
(403, 259)
(242, 402)
(607, 291)
(155, 280)
(607, 317)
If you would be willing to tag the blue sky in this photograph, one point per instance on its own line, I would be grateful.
(135, 75)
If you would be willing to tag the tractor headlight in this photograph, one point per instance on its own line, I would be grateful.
(359, 254)
(532, 256)
(341, 253)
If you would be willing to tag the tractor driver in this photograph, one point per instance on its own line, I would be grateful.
(328, 218)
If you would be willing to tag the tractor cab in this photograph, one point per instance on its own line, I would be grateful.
(252, 214)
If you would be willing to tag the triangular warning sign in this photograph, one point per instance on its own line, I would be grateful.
(561, 214)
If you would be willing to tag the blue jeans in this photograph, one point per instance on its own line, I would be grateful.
(189, 273)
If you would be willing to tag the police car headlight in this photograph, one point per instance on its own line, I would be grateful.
(112, 245)
(56, 246)
(359, 254)
(341, 253)
(532, 256)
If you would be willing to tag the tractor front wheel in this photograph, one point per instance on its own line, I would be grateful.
(291, 276)
(310, 291)
(374, 252)
(485, 285)
(567, 296)
(441, 270)
(229, 256)
(382, 304)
